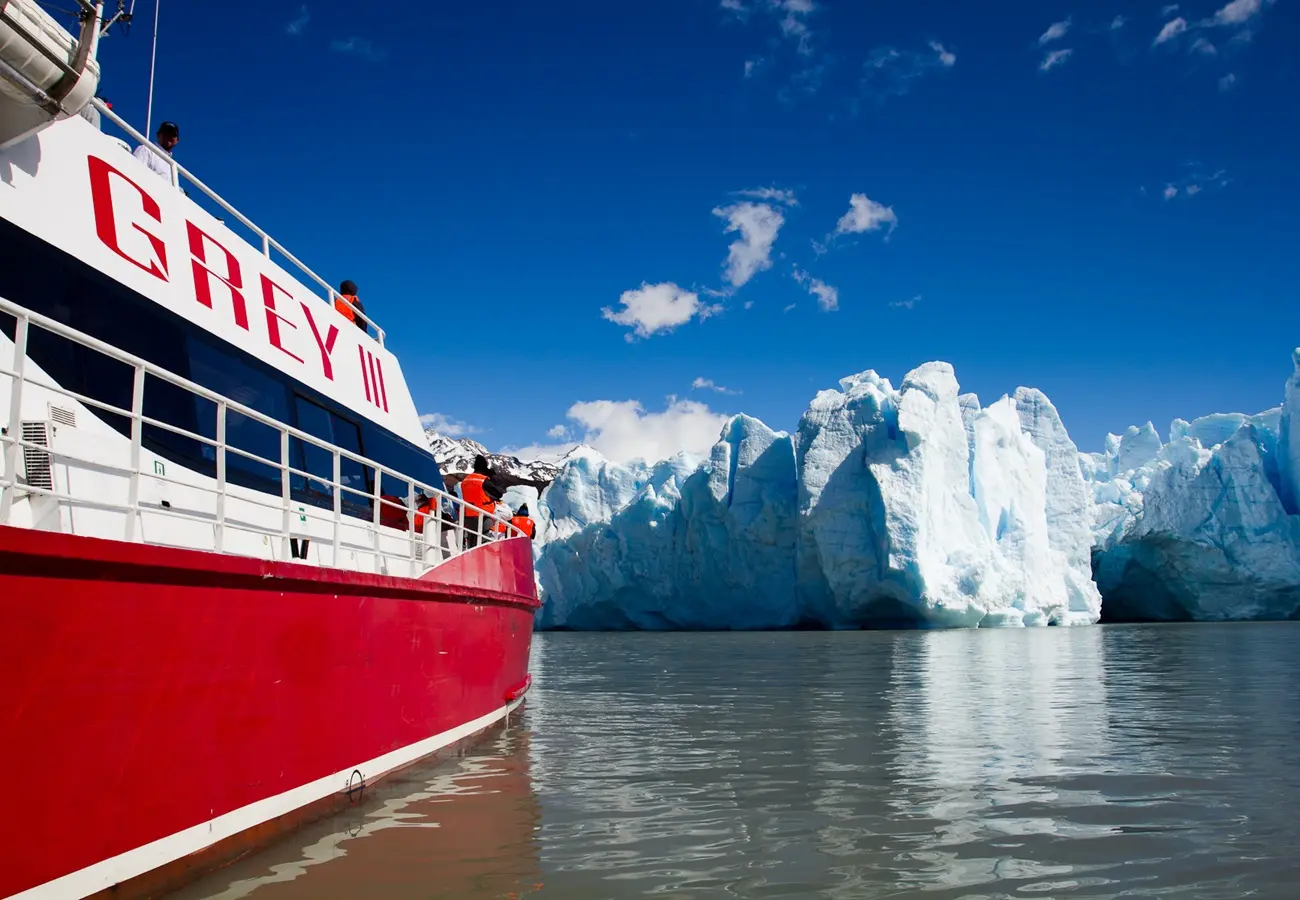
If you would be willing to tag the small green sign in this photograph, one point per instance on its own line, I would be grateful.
(302, 514)
(159, 468)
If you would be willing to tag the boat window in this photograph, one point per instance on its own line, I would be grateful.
(332, 428)
(403, 457)
(250, 387)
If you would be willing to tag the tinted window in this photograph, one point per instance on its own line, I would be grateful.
(221, 372)
(308, 457)
(395, 453)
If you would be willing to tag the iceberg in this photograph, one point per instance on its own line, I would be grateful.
(1205, 526)
(676, 545)
(909, 506)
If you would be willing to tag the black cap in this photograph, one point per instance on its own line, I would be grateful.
(348, 287)
(169, 128)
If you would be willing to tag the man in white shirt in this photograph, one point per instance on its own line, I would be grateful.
(168, 137)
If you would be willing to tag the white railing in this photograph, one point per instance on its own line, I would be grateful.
(268, 243)
(399, 535)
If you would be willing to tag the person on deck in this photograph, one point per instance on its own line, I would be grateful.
(348, 295)
(478, 490)
(521, 521)
(91, 114)
(168, 137)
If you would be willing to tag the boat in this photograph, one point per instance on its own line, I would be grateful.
(236, 590)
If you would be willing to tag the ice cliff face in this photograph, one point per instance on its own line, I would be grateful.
(676, 545)
(1205, 526)
(907, 506)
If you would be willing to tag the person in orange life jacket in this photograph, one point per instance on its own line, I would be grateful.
(348, 294)
(478, 490)
(521, 521)
(425, 508)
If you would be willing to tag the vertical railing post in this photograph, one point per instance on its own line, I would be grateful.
(410, 528)
(460, 527)
(15, 425)
(266, 245)
(338, 507)
(284, 493)
(378, 517)
(137, 439)
(220, 536)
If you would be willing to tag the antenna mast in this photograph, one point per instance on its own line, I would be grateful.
(153, 59)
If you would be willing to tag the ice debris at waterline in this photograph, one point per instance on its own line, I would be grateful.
(1203, 527)
(913, 506)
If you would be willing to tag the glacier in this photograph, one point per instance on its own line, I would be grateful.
(912, 506)
(919, 507)
(1203, 526)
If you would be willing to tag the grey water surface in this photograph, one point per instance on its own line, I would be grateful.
(1117, 761)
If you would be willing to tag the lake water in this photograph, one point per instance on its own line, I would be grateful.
(1118, 761)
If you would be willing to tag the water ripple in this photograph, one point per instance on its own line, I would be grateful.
(1116, 762)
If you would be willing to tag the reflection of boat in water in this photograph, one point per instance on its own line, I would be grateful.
(464, 829)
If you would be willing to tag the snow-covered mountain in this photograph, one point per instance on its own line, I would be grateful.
(456, 457)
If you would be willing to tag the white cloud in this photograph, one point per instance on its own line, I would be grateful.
(793, 24)
(1227, 82)
(622, 430)
(889, 71)
(447, 426)
(864, 215)
(789, 307)
(708, 384)
(828, 297)
(751, 66)
(299, 23)
(749, 304)
(658, 307)
(1117, 23)
(1055, 32)
(1204, 47)
(1171, 30)
(1169, 9)
(1197, 181)
(776, 195)
(758, 224)
(1054, 59)
(1238, 12)
(735, 6)
(909, 303)
(360, 48)
(558, 432)
(947, 59)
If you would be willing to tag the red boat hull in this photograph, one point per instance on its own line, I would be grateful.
(159, 702)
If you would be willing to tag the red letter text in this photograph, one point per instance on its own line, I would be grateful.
(101, 193)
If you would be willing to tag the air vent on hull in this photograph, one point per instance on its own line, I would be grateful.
(37, 463)
(61, 416)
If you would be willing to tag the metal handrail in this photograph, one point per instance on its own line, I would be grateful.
(268, 243)
(488, 525)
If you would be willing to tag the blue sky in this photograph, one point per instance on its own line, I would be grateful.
(1095, 199)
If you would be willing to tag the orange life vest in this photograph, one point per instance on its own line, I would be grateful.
(524, 524)
(426, 510)
(392, 513)
(341, 304)
(471, 490)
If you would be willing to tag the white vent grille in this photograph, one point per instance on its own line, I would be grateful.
(61, 416)
(37, 463)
